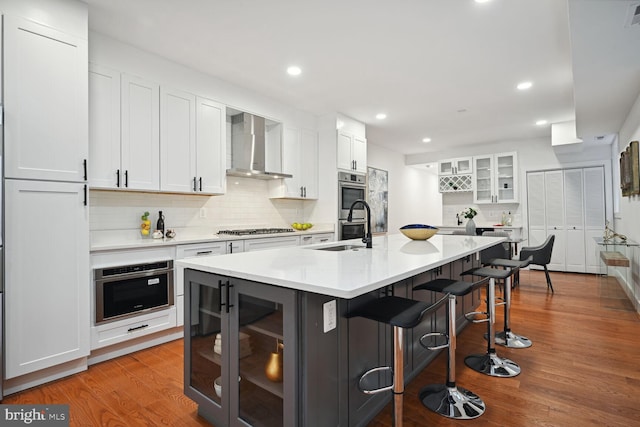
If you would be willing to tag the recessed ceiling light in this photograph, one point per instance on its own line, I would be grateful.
(294, 70)
(541, 122)
(381, 116)
(426, 139)
(524, 85)
(483, 1)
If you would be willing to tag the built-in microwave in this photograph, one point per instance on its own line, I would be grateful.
(351, 187)
(129, 290)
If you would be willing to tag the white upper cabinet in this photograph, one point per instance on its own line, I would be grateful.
(177, 141)
(300, 159)
(351, 152)
(495, 178)
(46, 102)
(461, 166)
(104, 127)
(192, 150)
(211, 146)
(140, 139)
(124, 134)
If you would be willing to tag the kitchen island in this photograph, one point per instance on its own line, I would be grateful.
(296, 358)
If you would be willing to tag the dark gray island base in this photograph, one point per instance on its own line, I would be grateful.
(283, 369)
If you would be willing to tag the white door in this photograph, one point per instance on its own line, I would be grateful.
(594, 215)
(45, 102)
(210, 146)
(554, 217)
(104, 127)
(574, 220)
(483, 179)
(140, 133)
(309, 162)
(345, 160)
(291, 163)
(359, 152)
(177, 141)
(536, 208)
(47, 275)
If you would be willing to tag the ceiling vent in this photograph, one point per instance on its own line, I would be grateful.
(633, 16)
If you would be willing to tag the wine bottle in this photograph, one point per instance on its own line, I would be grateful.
(160, 223)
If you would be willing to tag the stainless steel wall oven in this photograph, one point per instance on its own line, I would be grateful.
(351, 187)
(128, 290)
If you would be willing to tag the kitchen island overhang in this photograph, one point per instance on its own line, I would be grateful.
(307, 293)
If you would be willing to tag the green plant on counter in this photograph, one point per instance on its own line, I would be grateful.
(469, 213)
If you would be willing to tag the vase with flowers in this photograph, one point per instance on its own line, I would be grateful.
(470, 227)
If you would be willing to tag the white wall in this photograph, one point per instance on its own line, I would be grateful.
(626, 221)
(413, 194)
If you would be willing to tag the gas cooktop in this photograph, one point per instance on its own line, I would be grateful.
(249, 231)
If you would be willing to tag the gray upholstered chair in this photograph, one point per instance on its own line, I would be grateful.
(540, 255)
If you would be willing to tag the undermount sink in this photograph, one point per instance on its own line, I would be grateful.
(340, 248)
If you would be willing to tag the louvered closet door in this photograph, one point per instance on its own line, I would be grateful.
(594, 215)
(574, 220)
(554, 216)
(536, 208)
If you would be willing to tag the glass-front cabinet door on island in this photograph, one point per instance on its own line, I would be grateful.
(240, 351)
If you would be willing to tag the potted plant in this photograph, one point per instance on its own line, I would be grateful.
(470, 227)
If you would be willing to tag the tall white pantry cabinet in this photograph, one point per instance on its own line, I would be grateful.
(46, 213)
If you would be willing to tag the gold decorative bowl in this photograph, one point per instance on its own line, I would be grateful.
(418, 231)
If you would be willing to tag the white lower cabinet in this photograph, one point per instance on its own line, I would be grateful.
(47, 279)
(270, 242)
(316, 238)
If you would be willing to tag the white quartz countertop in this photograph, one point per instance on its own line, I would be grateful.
(343, 274)
(131, 239)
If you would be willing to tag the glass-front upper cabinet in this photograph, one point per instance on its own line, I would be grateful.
(250, 381)
(495, 178)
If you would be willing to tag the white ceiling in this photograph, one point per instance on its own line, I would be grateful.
(444, 69)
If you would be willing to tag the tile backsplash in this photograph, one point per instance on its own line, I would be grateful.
(246, 204)
(489, 214)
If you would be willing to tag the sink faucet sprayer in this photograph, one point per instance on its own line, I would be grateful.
(458, 218)
(367, 237)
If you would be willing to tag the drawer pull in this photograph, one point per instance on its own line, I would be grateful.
(204, 252)
(137, 327)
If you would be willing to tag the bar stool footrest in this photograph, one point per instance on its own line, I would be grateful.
(470, 316)
(452, 402)
(511, 340)
(493, 365)
(434, 334)
(373, 371)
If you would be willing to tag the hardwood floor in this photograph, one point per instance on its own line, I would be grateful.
(582, 369)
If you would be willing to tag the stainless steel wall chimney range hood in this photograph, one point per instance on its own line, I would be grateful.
(255, 147)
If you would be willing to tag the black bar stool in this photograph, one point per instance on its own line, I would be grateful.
(447, 399)
(401, 313)
(490, 363)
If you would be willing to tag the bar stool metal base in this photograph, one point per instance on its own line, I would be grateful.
(511, 340)
(452, 402)
(493, 365)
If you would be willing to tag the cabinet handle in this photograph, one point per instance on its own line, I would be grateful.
(84, 164)
(229, 286)
(118, 178)
(137, 327)
(200, 180)
(85, 195)
(301, 193)
(194, 183)
(355, 165)
(220, 304)
(126, 178)
(231, 247)
(203, 253)
(305, 191)
(324, 240)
